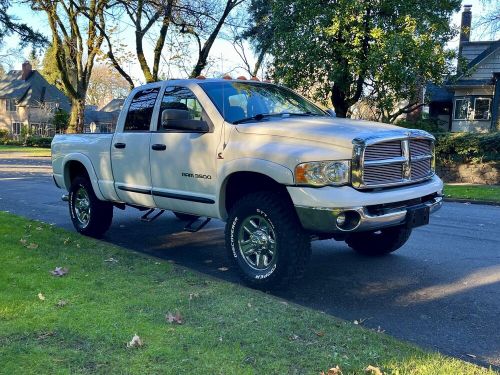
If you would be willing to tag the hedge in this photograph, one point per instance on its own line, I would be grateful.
(468, 147)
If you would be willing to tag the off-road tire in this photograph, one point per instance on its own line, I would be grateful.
(100, 213)
(293, 245)
(378, 243)
(185, 217)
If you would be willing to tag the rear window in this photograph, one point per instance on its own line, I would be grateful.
(141, 110)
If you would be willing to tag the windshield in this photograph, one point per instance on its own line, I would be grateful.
(250, 101)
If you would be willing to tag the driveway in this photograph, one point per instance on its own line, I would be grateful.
(440, 291)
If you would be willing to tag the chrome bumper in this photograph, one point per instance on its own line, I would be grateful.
(324, 220)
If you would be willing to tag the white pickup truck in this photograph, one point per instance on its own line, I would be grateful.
(276, 168)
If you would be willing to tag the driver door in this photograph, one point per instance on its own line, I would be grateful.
(183, 161)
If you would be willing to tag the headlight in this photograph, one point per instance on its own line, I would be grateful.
(322, 173)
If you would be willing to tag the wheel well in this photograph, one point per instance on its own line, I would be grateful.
(74, 169)
(241, 183)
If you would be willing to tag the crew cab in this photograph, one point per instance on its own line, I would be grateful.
(275, 167)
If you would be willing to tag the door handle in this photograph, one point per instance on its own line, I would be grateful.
(120, 145)
(158, 147)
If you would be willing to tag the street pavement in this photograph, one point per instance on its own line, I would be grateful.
(440, 291)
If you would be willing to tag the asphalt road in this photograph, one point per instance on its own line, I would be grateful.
(440, 291)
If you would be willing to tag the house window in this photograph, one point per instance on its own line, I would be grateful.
(37, 129)
(482, 109)
(462, 107)
(10, 105)
(16, 128)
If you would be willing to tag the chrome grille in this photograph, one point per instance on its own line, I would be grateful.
(392, 162)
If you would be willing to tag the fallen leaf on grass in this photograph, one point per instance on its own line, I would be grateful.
(61, 303)
(59, 271)
(333, 371)
(32, 246)
(223, 269)
(193, 296)
(39, 228)
(372, 370)
(320, 333)
(23, 241)
(136, 342)
(45, 335)
(111, 260)
(67, 240)
(41, 297)
(177, 318)
(293, 337)
(78, 245)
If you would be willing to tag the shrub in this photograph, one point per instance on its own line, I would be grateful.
(467, 147)
(429, 125)
(35, 141)
(4, 134)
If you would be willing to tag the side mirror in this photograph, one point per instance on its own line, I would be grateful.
(180, 119)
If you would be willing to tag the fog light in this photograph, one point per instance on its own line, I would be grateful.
(341, 219)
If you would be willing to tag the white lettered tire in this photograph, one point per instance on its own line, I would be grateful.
(266, 241)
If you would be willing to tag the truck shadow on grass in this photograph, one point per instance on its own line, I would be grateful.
(407, 295)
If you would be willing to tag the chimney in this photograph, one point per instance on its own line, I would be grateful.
(26, 70)
(465, 26)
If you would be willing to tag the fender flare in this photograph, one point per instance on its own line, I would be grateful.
(85, 161)
(275, 171)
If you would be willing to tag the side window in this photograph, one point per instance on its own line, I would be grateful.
(140, 110)
(182, 99)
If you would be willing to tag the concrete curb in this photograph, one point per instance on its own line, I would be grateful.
(470, 201)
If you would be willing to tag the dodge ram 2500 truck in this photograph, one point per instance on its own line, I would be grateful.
(276, 168)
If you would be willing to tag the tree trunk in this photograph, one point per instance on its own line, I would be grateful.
(76, 117)
(339, 102)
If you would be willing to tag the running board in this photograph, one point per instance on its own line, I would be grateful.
(149, 219)
(189, 226)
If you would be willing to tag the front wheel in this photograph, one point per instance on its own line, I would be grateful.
(380, 242)
(90, 216)
(266, 241)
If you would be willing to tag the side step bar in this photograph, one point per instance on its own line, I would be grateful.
(148, 218)
(189, 227)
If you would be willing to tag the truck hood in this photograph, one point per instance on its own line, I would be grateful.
(335, 131)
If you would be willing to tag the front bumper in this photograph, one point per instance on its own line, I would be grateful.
(318, 209)
(321, 220)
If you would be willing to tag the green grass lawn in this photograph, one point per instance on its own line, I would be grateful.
(473, 192)
(31, 151)
(81, 322)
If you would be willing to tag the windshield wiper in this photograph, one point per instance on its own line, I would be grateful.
(257, 117)
(261, 116)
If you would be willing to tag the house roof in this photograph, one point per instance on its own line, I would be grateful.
(438, 93)
(113, 106)
(91, 115)
(32, 91)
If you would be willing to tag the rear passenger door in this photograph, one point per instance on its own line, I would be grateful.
(130, 150)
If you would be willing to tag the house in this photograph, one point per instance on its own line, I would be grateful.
(28, 100)
(470, 102)
(103, 120)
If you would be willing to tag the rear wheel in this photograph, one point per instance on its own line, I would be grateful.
(266, 241)
(380, 242)
(185, 217)
(90, 216)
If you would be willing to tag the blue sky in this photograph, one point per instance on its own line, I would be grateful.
(225, 57)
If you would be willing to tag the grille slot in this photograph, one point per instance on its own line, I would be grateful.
(420, 147)
(383, 150)
(420, 169)
(383, 174)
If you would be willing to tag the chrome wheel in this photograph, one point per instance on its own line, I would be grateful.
(82, 206)
(257, 242)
